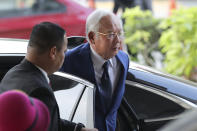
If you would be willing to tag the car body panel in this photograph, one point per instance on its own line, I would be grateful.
(174, 85)
(74, 95)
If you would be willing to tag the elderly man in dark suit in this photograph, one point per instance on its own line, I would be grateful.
(103, 63)
(45, 55)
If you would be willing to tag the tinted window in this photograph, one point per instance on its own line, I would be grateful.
(7, 62)
(150, 105)
(175, 85)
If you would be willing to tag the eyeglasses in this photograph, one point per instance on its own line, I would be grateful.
(112, 35)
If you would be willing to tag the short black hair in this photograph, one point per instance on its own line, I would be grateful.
(46, 35)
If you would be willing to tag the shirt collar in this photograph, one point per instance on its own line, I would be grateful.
(98, 61)
(44, 73)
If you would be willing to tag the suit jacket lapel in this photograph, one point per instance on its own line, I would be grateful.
(119, 88)
(122, 59)
(86, 58)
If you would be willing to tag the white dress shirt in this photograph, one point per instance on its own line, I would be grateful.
(113, 70)
(44, 73)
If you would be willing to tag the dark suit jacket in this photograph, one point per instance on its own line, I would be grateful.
(78, 62)
(28, 78)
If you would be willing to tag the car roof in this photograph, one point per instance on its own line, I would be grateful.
(13, 46)
(19, 46)
(144, 68)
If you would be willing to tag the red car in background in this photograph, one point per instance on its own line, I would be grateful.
(17, 17)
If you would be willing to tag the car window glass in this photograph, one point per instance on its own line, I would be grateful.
(67, 93)
(149, 105)
(15, 4)
(13, 8)
(84, 112)
(67, 100)
(47, 6)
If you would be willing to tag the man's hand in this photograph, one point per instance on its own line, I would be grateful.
(87, 129)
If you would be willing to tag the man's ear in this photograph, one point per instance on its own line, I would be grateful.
(91, 37)
(52, 52)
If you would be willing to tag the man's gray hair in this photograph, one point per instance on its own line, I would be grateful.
(93, 21)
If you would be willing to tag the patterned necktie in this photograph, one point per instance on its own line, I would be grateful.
(106, 85)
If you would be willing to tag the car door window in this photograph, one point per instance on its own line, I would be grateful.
(85, 110)
(150, 105)
(67, 93)
(47, 6)
(75, 100)
(67, 100)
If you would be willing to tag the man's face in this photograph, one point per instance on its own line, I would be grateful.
(107, 43)
(60, 55)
